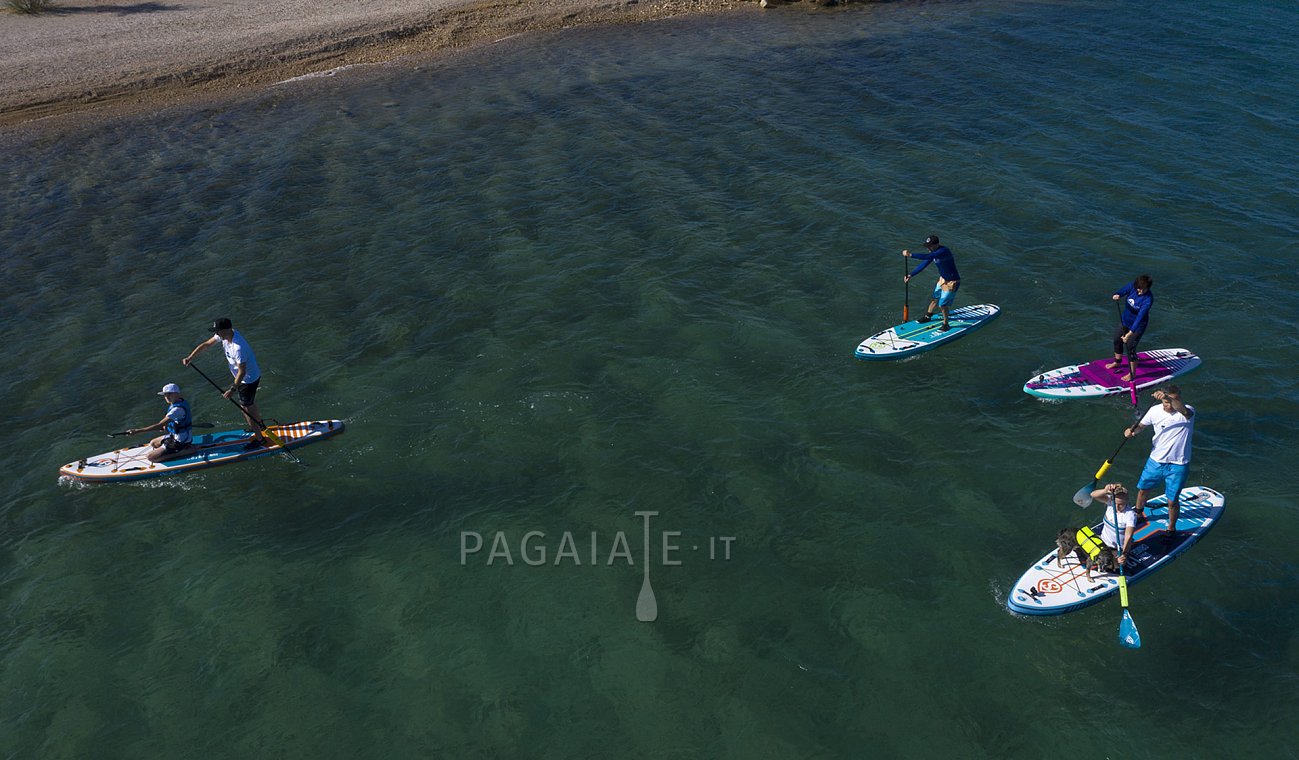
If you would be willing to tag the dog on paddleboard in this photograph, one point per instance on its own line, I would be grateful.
(1066, 543)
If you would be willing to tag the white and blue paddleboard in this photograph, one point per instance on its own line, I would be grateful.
(908, 338)
(210, 450)
(1050, 587)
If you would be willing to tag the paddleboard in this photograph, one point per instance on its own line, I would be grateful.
(212, 449)
(1092, 380)
(1051, 588)
(908, 338)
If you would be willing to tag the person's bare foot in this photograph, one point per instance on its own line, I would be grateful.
(1127, 378)
(1112, 365)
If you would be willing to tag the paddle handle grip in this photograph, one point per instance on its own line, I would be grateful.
(1123, 591)
(1104, 469)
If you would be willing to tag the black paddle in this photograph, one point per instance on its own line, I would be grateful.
(275, 439)
(128, 432)
(906, 291)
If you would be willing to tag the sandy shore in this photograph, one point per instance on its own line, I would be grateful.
(115, 55)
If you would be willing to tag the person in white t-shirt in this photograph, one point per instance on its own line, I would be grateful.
(1170, 449)
(243, 366)
(1117, 516)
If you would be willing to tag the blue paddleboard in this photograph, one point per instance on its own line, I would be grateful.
(908, 338)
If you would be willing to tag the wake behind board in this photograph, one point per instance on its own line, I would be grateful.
(1049, 588)
(212, 449)
(908, 338)
(1092, 380)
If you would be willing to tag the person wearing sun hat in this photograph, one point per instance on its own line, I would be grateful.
(949, 280)
(243, 366)
(178, 422)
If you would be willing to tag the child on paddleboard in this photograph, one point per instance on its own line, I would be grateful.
(178, 423)
(1117, 515)
(1134, 315)
(949, 280)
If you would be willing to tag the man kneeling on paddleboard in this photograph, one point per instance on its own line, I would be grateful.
(178, 422)
(949, 280)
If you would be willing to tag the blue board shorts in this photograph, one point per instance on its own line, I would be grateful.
(1173, 476)
(945, 297)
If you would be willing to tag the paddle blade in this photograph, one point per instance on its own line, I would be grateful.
(1128, 635)
(1084, 496)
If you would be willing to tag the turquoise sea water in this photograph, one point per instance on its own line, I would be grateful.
(565, 278)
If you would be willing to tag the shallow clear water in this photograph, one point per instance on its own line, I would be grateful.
(566, 278)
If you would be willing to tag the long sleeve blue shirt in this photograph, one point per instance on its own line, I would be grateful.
(1136, 308)
(943, 258)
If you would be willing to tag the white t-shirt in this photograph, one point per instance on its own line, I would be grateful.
(1127, 518)
(1172, 442)
(239, 352)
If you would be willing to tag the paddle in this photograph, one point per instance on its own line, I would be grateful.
(1083, 497)
(275, 439)
(128, 432)
(1132, 370)
(906, 292)
(1128, 635)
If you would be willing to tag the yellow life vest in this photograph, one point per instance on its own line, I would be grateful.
(1088, 541)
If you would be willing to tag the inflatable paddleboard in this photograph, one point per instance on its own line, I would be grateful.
(212, 449)
(1051, 588)
(901, 341)
(1091, 380)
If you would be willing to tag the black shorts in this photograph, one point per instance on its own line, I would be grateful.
(170, 445)
(246, 393)
(1129, 348)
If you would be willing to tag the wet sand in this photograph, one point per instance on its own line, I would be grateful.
(111, 56)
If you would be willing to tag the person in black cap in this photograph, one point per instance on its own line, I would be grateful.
(243, 366)
(949, 280)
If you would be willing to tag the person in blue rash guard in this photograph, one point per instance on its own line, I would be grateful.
(949, 280)
(1133, 318)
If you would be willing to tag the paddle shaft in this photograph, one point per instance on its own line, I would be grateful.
(906, 291)
(128, 432)
(1105, 467)
(275, 439)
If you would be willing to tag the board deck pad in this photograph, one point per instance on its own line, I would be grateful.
(912, 337)
(1093, 380)
(1051, 588)
(212, 449)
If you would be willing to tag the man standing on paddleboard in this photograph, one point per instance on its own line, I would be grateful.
(1134, 315)
(1170, 449)
(949, 280)
(243, 365)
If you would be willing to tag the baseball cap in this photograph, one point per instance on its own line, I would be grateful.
(221, 324)
(169, 388)
(931, 240)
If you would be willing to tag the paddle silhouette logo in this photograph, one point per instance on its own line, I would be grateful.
(592, 549)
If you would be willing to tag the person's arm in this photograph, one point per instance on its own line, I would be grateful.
(1175, 400)
(1105, 490)
(1136, 429)
(200, 348)
(1143, 315)
(1122, 292)
(1128, 532)
(239, 378)
(159, 425)
(925, 258)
